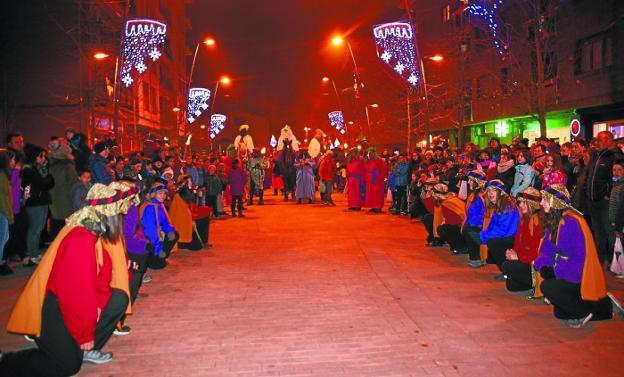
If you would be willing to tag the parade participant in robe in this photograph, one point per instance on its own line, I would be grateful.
(375, 181)
(356, 184)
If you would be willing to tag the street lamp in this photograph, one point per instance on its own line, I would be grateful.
(100, 55)
(435, 58)
(337, 41)
(225, 80)
(210, 42)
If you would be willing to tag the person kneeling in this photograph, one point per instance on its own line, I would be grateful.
(568, 262)
(77, 294)
(517, 267)
(157, 227)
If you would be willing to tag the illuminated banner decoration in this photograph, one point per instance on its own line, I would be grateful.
(217, 124)
(489, 12)
(336, 119)
(143, 44)
(395, 46)
(197, 102)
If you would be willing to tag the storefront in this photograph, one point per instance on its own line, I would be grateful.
(602, 118)
(505, 129)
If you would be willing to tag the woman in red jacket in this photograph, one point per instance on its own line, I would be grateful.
(517, 268)
(78, 293)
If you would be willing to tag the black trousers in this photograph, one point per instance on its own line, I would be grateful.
(599, 214)
(519, 277)
(211, 201)
(16, 245)
(55, 227)
(137, 273)
(200, 237)
(258, 191)
(427, 221)
(473, 241)
(157, 263)
(568, 303)
(401, 198)
(452, 235)
(57, 352)
(497, 248)
(237, 204)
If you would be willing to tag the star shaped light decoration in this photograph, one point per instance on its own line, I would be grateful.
(142, 38)
(395, 44)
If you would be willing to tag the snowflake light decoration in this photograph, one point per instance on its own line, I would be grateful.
(336, 119)
(395, 46)
(197, 102)
(217, 124)
(142, 39)
(489, 15)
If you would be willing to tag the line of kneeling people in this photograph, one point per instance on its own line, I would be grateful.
(89, 277)
(542, 246)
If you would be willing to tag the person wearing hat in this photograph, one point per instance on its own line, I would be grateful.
(243, 141)
(568, 262)
(36, 185)
(517, 267)
(98, 164)
(256, 168)
(78, 293)
(433, 219)
(375, 181)
(499, 233)
(475, 219)
(157, 226)
(315, 146)
(287, 138)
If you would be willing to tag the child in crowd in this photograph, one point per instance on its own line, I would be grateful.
(237, 180)
(80, 189)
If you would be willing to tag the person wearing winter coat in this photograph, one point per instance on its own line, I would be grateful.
(36, 185)
(63, 171)
(98, 164)
(525, 175)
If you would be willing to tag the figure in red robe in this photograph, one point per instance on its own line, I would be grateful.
(356, 180)
(375, 181)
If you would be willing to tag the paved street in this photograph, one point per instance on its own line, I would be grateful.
(316, 291)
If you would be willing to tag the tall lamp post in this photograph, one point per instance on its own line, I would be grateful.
(210, 42)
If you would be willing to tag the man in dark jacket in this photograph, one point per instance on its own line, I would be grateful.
(597, 189)
(98, 164)
(79, 148)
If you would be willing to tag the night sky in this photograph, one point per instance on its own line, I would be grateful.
(278, 50)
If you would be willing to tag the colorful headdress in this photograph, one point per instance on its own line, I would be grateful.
(440, 191)
(557, 196)
(496, 184)
(156, 186)
(531, 197)
(478, 177)
(103, 201)
(373, 150)
(244, 127)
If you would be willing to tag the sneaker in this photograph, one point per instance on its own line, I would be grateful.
(124, 330)
(500, 277)
(29, 338)
(580, 322)
(208, 245)
(5, 269)
(36, 259)
(147, 278)
(617, 306)
(28, 262)
(96, 357)
(476, 263)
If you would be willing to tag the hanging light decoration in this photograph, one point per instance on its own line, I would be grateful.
(197, 102)
(217, 124)
(336, 120)
(143, 44)
(395, 46)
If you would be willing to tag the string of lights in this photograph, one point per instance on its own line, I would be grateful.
(489, 15)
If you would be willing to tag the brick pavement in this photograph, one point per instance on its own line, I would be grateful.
(317, 291)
